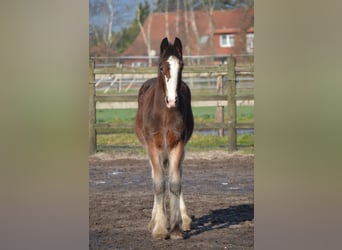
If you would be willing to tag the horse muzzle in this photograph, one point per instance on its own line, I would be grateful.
(171, 103)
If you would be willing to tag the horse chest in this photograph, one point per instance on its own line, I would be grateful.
(167, 131)
(171, 138)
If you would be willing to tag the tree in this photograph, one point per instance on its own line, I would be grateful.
(166, 13)
(173, 6)
(108, 26)
(127, 35)
(106, 16)
(187, 48)
(198, 5)
(146, 36)
(101, 20)
(110, 17)
(209, 5)
(194, 26)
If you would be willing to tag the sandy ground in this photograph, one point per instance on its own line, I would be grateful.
(218, 189)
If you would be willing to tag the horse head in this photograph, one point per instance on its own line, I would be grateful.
(170, 70)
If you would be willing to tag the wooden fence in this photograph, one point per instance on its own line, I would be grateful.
(230, 99)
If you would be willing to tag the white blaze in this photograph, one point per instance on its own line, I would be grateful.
(171, 84)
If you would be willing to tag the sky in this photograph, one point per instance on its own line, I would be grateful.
(124, 13)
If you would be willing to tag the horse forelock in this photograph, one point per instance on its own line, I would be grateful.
(171, 50)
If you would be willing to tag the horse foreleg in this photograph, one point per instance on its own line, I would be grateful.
(158, 223)
(175, 161)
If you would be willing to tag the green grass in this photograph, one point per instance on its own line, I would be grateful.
(128, 141)
(201, 114)
(120, 116)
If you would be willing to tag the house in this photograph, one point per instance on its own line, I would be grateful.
(232, 33)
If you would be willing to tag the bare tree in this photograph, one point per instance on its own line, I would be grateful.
(110, 22)
(95, 32)
(186, 25)
(146, 37)
(101, 20)
(194, 27)
(166, 14)
(209, 5)
(177, 18)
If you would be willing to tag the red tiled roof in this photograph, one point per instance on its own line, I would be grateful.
(225, 21)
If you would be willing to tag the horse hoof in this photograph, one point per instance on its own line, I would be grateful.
(186, 224)
(160, 234)
(176, 234)
(186, 228)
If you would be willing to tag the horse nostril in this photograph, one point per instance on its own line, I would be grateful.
(172, 102)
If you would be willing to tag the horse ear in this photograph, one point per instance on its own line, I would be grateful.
(178, 46)
(163, 45)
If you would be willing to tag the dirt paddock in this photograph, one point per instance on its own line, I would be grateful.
(218, 190)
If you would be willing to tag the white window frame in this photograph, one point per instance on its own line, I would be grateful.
(227, 40)
(250, 42)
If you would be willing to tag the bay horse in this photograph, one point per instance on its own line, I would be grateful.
(164, 124)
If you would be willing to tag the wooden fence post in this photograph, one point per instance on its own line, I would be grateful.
(92, 108)
(220, 109)
(231, 103)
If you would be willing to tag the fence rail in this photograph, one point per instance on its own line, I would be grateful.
(242, 74)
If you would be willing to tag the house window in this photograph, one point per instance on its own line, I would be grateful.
(250, 43)
(227, 41)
